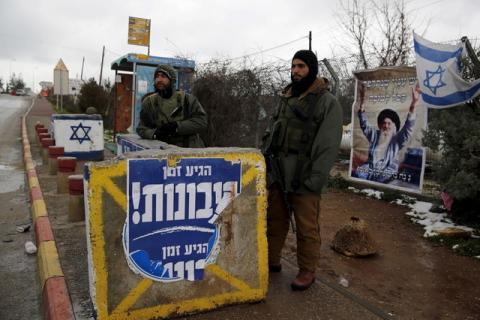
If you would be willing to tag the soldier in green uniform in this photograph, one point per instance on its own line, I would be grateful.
(172, 116)
(300, 147)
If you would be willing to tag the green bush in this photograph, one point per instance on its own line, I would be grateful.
(93, 95)
(456, 133)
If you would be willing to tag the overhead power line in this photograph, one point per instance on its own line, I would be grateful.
(269, 49)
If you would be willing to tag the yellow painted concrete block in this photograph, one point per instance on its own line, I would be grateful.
(236, 269)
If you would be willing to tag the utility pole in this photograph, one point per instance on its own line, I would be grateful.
(476, 64)
(101, 67)
(473, 57)
(336, 80)
(83, 63)
(149, 29)
(310, 40)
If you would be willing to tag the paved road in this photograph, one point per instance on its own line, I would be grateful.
(19, 288)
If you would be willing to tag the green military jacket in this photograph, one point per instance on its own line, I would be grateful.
(182, 108)
(305, 136)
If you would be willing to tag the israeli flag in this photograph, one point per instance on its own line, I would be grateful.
(439, 73)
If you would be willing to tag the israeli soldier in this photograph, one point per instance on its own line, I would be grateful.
(172, 116)
(300, 147)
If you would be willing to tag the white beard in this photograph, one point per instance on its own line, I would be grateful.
(382, 145)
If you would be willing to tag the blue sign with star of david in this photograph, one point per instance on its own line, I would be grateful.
(170, 232)
(80, 133)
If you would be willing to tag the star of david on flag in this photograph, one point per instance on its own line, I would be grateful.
(80, 133)
(439, 73)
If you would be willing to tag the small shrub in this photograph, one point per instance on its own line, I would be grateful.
(390, 195)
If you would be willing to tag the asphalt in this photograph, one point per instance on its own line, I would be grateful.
(324, 300)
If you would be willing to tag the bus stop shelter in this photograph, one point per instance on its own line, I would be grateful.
(134, 78)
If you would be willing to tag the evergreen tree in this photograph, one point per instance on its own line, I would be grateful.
(92, 95)
(16, 82)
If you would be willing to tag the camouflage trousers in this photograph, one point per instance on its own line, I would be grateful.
(306, 211)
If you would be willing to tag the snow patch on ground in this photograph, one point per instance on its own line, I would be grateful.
(432, 222)
(420, 213)
(368, 192)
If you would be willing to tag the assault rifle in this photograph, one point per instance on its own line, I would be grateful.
(274, 175)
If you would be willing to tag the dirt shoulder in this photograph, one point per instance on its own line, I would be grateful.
(410, 277)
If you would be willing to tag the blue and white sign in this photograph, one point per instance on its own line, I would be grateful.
(170, 232)
(125, 145)
(439, 72)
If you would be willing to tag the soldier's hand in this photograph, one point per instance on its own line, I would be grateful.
(169, 128)
(165, 130)
(159, 134)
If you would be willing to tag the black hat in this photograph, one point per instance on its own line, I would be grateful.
(390, 114)
(310, 60)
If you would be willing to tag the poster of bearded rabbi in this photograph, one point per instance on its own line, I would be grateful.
(388, 121)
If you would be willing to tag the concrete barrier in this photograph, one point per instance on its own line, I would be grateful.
(76, 209)
(44, 136)
(53, 153)
(45, 144)
(66, 167)
(81, 135)
(176, 231)
(40, 130)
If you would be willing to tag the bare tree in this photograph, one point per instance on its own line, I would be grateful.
(379, 30)
(354, 20)
(238, 100)
(393, 47)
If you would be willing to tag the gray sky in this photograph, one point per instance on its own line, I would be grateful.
(35, 34)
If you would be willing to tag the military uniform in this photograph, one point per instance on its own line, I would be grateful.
(301, 146)
(182, 109)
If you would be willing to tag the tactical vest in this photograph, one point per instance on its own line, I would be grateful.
(293, 131)
(176, 109)
(294, 127)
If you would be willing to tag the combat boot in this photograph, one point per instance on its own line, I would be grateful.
(303, 281)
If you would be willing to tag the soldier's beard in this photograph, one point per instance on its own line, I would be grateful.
(300, 86)
(165, 92)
